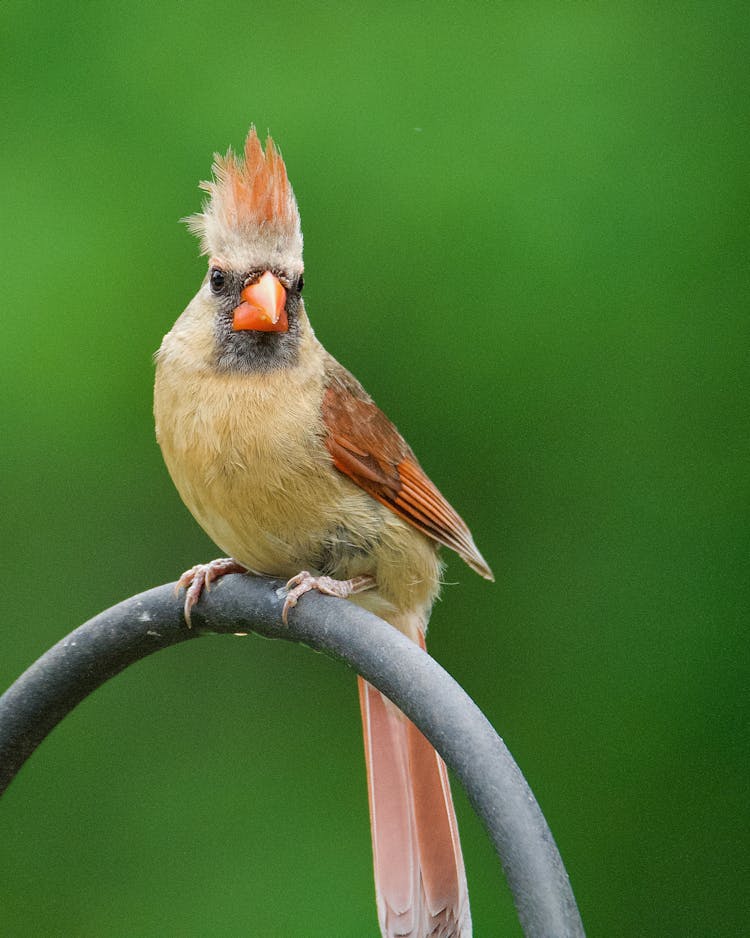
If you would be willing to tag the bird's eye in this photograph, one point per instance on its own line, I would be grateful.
(217, 280)
(300, 283)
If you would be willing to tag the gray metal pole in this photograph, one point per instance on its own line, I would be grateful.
(447, 716)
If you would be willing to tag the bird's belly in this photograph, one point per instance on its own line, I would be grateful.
(279, 529)
(248, 458)
(267, 493)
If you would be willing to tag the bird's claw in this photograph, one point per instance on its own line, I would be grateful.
(304, 581)
(200, 577)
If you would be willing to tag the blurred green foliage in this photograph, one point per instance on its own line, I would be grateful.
(527, 233)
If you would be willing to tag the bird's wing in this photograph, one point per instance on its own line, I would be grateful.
(366, 447)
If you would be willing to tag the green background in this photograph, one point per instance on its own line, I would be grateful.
(526, 233)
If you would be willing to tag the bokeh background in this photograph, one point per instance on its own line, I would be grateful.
(526, 233)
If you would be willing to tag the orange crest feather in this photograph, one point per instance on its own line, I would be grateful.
(249, 196)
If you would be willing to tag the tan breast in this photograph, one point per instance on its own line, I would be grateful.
(246, 454)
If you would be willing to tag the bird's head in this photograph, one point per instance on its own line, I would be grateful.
(250, 230)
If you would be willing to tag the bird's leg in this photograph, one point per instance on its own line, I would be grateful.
(201, 576)
(304, 582)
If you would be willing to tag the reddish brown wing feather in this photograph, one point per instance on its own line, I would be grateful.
(366, 446)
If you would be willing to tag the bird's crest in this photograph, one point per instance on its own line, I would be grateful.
(250, 198)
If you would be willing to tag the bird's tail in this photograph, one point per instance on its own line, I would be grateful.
(420, 881)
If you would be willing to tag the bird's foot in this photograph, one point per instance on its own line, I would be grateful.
(200, 577)
(304, 582)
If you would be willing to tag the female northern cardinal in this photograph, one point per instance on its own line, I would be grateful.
(289, 466)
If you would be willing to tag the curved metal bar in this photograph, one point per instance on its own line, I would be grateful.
(141, 625)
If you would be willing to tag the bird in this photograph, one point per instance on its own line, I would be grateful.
(290, 467)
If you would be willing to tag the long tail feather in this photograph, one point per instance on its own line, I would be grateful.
(419, 870)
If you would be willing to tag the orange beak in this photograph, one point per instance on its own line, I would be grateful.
(262, 307)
